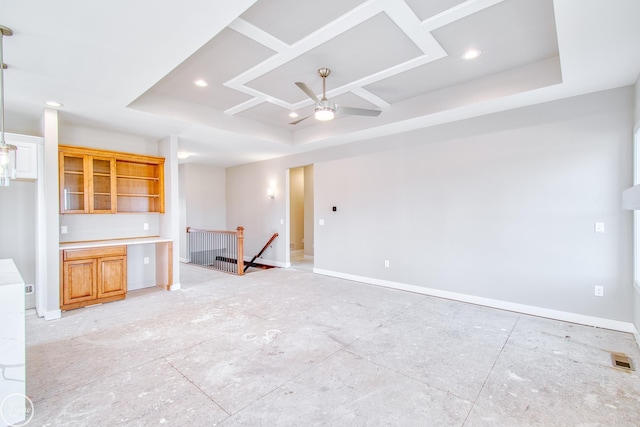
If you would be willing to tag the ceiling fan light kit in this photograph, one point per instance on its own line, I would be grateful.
(325, 110)
(324, 113)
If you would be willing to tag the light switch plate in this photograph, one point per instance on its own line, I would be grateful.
(599, 227)
(321, 222)
(64, 229)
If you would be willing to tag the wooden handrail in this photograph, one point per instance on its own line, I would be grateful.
(264, 248)
(199, 230)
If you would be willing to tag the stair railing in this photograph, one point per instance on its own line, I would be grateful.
(217, 249)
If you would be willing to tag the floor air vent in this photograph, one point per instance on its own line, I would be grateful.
(622, 361)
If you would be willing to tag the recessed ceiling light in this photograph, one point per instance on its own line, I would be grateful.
(201, 83)
(471, 54)
(53, 104)
(293, 114)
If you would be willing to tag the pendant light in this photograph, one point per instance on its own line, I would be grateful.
(7, 151)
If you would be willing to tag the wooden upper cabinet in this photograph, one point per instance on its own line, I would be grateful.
(74, 197)
(140, 186)
(100, 181)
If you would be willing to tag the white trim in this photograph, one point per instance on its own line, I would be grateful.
(51, 315)
(488, 302)
(41, 238)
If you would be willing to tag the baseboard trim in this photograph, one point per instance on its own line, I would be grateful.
(175, 287)
(582, 319)
(50, 314)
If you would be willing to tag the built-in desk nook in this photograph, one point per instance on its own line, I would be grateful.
(95, 272)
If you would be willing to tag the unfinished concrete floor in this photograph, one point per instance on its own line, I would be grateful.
(286, 347)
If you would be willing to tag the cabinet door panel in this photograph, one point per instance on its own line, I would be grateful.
(103, 182)
(80, 281)
(73, 184)
(26, 159)
(112, 276)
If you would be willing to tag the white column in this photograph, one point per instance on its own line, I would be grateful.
(48, 219)
(170, 220)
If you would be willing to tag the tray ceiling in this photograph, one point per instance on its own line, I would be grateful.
(380, 53)
(130, 67)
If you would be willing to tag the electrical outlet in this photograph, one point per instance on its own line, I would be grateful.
(599, 291)
(28, 289)
(146, 260)
(386, 263)
(145, 226)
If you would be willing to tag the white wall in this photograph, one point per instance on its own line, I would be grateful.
(106, 140)
(499, 207)
(17, 220)
(202, 200)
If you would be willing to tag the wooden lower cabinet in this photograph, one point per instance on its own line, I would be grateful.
(92, 276)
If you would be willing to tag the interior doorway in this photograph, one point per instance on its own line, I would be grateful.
(301, 217)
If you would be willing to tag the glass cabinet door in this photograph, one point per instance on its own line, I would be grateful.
(103, 191)
(73, 194)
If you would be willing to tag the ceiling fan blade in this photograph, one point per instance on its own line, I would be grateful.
(299, 120)
(306, 89)
(358, 111)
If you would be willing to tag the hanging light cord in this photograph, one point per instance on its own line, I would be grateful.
(1, 89)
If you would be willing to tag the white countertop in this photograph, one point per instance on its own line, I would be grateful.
(9, 274)
(115, 242)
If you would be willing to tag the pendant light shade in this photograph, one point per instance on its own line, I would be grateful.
(7, 151)
(7, 164)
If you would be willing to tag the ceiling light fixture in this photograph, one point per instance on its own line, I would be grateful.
(471, 54)
(293, 114)
(183, 154)
(324, 113)
(53, 104)
(325, 110)
(201, 83)
(7, 151)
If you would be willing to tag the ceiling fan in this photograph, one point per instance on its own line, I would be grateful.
(325, 109)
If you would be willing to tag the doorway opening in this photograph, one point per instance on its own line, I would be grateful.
(301, 217)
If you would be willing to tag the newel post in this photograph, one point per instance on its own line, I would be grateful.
(240, 234)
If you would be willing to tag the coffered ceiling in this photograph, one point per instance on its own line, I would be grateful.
(132, 68)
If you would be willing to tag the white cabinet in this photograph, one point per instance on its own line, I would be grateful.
(27, 154)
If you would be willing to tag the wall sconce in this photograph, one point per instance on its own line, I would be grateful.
(271, 192)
